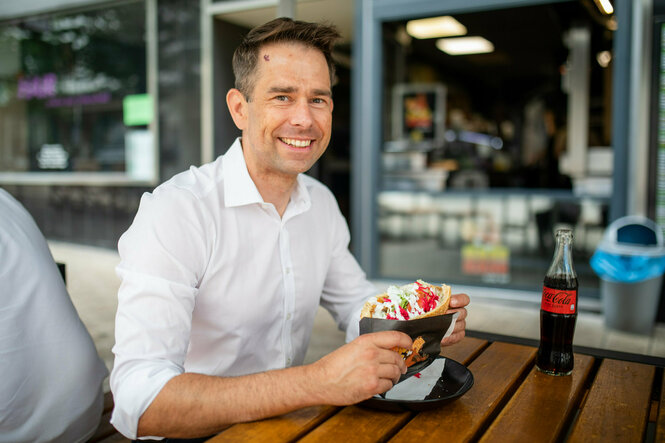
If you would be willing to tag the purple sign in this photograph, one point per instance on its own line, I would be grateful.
(40, 86)
(79, 100)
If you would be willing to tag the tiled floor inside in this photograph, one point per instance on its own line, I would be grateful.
(93, 285)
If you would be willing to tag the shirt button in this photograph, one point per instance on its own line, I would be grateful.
(288, 316)
(288, 271)
(288, 361)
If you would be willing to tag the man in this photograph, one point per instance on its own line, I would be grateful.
(50, 374)
(225, 265)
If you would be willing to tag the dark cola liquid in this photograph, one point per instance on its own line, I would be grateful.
(555, 354)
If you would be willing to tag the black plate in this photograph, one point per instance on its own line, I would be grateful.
(455, 380)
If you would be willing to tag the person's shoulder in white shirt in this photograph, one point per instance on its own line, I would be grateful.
(51, 384)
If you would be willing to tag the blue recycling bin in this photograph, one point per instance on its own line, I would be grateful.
(630, 261)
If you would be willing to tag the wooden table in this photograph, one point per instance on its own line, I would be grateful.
(605, 399)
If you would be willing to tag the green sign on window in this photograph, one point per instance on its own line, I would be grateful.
(137, 109)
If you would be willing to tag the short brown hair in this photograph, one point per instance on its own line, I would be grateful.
(320, 36)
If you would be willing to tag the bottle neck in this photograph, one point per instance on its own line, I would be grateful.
(562, 261)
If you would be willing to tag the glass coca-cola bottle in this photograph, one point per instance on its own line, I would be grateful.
(558, 309)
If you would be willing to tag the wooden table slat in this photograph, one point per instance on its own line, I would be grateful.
(360, 424)
(618, 403)
(541, 406)
(465, 351)
(660, 421)
(496, 372)
(284, 428)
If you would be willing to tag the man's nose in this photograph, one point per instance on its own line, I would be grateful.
(301, 114)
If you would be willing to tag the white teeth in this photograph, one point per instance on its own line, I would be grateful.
(297, 143)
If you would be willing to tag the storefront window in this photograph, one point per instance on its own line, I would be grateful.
(486, 152)
(73, 93)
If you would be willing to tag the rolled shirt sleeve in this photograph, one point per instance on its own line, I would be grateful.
(162, 259)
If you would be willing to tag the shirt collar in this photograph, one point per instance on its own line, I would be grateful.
(300, 200)
(239, 188)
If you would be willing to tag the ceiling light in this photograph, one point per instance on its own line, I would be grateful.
(434, 27)
(464, 45)
(605, 6)
(604, 58)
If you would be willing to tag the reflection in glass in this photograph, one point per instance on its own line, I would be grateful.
(478, 204)
(63, 78)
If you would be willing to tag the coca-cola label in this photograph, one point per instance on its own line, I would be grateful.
(559, 301)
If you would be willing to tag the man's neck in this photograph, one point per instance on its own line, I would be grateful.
(275, 189)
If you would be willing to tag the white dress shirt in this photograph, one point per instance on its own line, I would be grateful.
(215, 282)
(50, 374)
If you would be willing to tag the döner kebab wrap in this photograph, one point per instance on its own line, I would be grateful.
(414, 300)
(409, 302)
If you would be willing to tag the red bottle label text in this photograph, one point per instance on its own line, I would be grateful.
(558, 301)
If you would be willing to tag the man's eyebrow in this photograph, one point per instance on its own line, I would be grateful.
(291, 90)
(326, 92)
(282, 89)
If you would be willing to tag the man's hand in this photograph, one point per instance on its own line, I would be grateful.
(457, 304)
(362, 368)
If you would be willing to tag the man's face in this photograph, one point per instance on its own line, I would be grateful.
(289, 113)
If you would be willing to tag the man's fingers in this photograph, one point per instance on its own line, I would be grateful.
(460, 326)
(455, 337)
(458, 333)
(389, 339)
(392, 366)
(463, 313)
(390, 357)
(399, 361)
(390, 372)
(459, 300)
(384, 385)
(461, 319)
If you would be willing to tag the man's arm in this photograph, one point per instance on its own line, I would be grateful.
(194, 405)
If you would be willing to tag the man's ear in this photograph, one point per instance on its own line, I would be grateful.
(237, 104)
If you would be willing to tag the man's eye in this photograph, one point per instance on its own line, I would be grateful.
(282, 98)
(319, 101)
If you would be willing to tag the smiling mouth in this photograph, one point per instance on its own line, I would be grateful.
(296, 143)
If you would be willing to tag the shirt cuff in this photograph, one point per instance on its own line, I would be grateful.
(134, 389)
